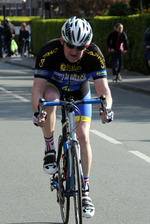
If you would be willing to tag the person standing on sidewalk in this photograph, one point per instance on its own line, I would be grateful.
(146, 40)
(9, 35)
(115, 42)
(24, 40)
(2, 36)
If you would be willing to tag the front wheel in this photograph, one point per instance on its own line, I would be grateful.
(63, 201)
(77, 193)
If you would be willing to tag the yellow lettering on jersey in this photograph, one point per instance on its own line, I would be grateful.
(41, 63)
(47, 54)
(65, 88)
(98, 73)
(96, 55)
(63, 67)
(70, 68)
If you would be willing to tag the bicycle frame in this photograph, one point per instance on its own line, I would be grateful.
(71, 149)
(65, 112)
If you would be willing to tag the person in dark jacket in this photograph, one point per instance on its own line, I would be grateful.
(117, 42)
(24, 39)
(9, 35)
(2, 37)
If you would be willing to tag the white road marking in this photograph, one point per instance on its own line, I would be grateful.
(106, 137)
(141, 155)
(98, 133)
(14, 95)
(114, 141)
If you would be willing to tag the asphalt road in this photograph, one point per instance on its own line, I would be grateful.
(120, 175)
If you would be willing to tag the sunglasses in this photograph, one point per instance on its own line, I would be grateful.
(79, 48)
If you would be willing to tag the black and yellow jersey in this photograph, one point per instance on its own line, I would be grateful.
(52, 65)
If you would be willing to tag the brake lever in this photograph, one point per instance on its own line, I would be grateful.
(41, 108)
(103, 103)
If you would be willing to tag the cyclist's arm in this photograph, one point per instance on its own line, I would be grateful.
(102, 88)
(38, 89)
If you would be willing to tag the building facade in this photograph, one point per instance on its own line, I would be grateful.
(45, 8)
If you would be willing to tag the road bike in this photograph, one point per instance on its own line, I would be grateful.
(68, 180)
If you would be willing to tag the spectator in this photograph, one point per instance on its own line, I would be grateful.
(115, 42)
(2, 37)
(24, 39)
(9, 35)
(146, 40)
(29, 29)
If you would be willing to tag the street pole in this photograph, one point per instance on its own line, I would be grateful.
(30, 8)
(42, 10)
(141, 6)
(4, 12)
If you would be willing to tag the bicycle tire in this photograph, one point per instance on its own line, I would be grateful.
(77, 193)
(64, 202)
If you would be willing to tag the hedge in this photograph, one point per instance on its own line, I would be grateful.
(43, 31)
(134, 27)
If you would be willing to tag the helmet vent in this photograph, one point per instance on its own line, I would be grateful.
(79, 34)
(73, 37)
(83, 25)
(82, 40)
(76, 23)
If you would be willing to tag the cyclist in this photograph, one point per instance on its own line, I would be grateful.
(63, 66)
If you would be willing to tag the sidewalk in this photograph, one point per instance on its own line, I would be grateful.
(132, 81)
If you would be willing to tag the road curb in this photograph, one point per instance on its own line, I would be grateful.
(131, 88)
(13, 62)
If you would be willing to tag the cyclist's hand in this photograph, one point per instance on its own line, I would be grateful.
(107, 116)
(42, 120)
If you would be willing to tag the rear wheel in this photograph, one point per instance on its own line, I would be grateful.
(63, 201)
(77, 193)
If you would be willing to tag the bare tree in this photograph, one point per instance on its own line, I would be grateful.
(88, 7)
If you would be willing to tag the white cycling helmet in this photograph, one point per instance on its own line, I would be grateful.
(77, 32)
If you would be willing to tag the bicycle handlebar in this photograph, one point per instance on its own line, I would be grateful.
(43, 103)
(101, 100)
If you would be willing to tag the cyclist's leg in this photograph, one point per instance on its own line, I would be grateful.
(120, 60)
(113, 64)
(88, 209)
(51, 94)
(86, 153)
(83, 128)
(22, 48)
